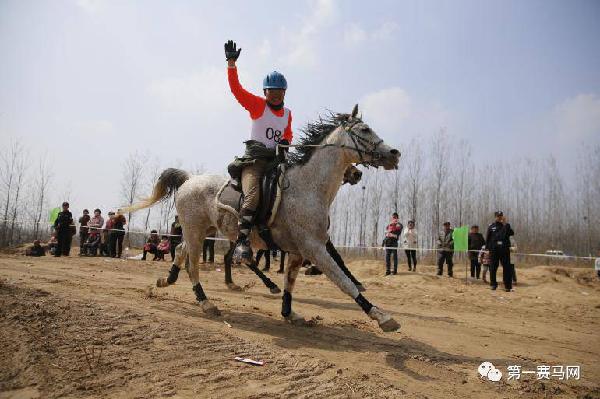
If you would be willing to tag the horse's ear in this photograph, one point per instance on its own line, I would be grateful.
(354, 111)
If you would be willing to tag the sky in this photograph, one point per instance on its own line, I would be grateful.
(90, 81)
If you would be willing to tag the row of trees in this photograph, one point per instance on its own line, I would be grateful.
(438, 180)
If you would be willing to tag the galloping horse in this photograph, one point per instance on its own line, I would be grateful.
(300, 226)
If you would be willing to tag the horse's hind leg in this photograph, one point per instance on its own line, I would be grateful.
(291, 273)
(194, 251)
(180, 257)
(340, 262)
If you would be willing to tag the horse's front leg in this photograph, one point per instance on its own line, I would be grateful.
(317, 251)
(340, 262)
(228, 265)
(291, 273)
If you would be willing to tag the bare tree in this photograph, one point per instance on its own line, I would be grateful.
(41, 185)
(131, 181)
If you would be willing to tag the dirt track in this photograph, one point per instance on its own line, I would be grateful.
(89, 327)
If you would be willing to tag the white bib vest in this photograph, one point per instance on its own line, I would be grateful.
(269, 128)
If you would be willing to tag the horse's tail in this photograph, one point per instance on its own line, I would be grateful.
(168, 182)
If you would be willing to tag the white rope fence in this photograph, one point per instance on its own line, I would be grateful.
(422, 249)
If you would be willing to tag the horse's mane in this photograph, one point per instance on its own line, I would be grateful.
(314, 133)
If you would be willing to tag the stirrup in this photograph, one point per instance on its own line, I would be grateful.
(243, 251)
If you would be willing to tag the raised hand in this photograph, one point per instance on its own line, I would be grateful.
(231, 51)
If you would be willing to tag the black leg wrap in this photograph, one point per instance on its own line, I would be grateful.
(200, 295)
(266, 281)
(173, 274)
(340, 262)
(286, 305)
(363, 303)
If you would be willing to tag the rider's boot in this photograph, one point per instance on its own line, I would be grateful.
(243, 251)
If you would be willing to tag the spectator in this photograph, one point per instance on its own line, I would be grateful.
(90, 247)
(176, 236)
(267, 255)
(597, 264)
(498, 242)
(64, 232)
(485, 260)
(476, 242)
(118, 233)
(107, 234)
(53, 244)
(36, 249)
(446, 250)
(96, 222)
(163, 248)
(392, 233)
(513, 248)
(151, 245)
(410, 242)
(84, 221)
(208, 248)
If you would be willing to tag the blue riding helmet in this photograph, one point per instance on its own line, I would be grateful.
(275, 80)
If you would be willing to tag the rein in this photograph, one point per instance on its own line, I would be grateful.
(356, 139)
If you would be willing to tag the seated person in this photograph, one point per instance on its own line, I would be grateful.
(151, 245)
(53, 244)
(164, 247)
(90, 247)
(36, 249)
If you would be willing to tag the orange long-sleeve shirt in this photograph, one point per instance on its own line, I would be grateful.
(255, 105)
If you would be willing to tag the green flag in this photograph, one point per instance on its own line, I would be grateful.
(460, 235)
(53, 215)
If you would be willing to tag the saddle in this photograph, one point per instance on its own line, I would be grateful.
(230, 199)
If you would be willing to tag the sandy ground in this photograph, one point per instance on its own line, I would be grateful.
(91, 327)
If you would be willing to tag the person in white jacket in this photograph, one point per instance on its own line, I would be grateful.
(410, 242)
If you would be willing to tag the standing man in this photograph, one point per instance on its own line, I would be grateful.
(117, 236)
(392, 233)
(62, 225)
(476, 242)
(597, 264)
(498, 242)
(176, 236)
(446, 250)
(83, 229)
(267, 254)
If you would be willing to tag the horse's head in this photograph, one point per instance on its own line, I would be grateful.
(352, 175)
(365, 146)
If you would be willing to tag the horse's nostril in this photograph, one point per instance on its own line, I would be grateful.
(395, 152)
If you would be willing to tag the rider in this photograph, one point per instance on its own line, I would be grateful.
(271, 125)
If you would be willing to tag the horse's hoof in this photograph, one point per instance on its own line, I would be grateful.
(209, 308)
(234, 287)
(275, 290)
(389, 325)
(162, 282)
(296, 320)
(361, 288)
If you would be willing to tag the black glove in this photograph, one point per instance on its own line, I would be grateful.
(231, 53)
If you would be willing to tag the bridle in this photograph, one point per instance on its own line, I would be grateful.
(362, 145)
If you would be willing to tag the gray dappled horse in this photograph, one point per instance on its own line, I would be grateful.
(352, 176)
(300, 227)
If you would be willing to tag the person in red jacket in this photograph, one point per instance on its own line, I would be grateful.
(271, 126)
